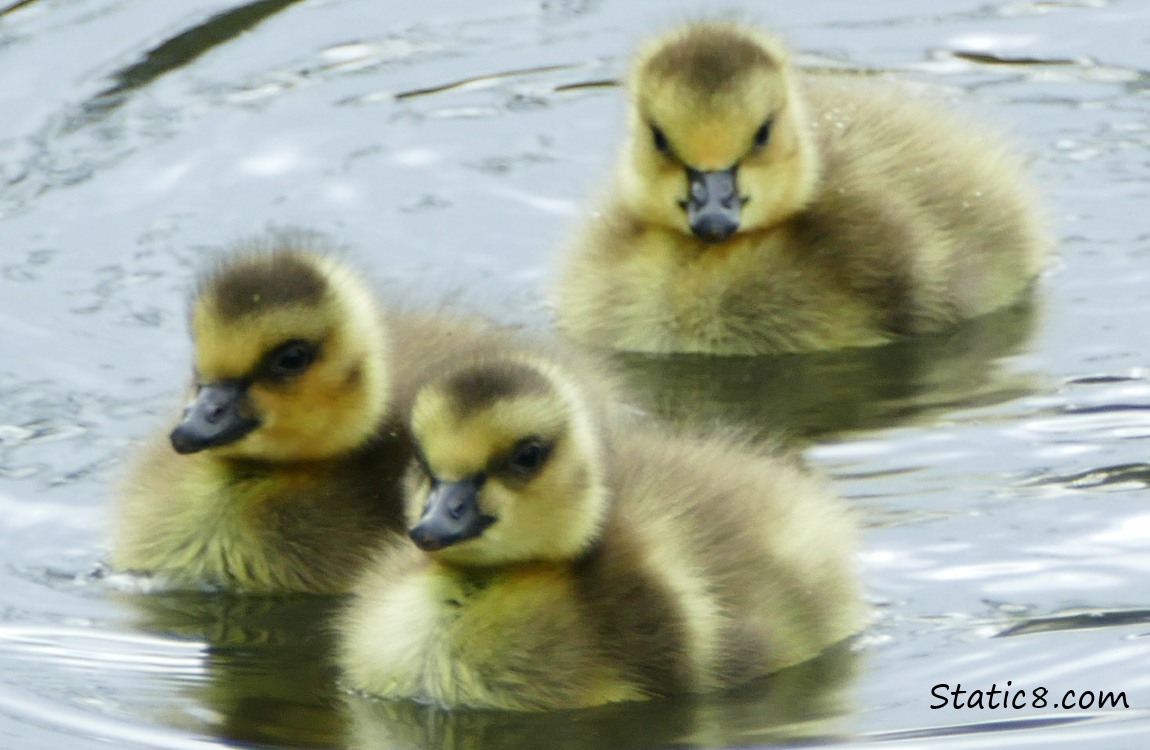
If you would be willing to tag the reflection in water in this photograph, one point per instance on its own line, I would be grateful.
(181, 50)
(267, 674)
(598, 83)
(994, 58)
(797, 703)
(15, 6)
(471, 80)
(268, 677)
(1081, 620)
(809, 395)
(1123, 474)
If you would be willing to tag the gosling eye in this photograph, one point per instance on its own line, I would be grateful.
(659, 139)
(763, 134)
(528, 456)
(291, 359)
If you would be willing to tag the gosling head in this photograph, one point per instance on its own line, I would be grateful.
(508, 467)
(717, 143)
(289, 351)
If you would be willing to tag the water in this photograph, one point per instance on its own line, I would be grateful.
(1002, 472)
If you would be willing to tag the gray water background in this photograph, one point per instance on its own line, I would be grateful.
(1002, 472)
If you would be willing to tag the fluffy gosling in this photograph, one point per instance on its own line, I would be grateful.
(567, 560)
(284, 471)
(757, 209)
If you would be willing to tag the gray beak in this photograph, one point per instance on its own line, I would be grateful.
(451, 514)
(213, 418)
(714, 203)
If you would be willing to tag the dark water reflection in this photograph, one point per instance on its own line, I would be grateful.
(798, 704)
(267, 674)
(180, 50)
(1001, 471)
(830, 393)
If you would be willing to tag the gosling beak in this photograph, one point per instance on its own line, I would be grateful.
(713, 204)
(451, 514)
(213, 418)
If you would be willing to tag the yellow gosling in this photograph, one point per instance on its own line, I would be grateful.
(564, 559)
(757, 209)
(284, 471)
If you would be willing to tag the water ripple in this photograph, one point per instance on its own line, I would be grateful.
(1086, 619)
(81, 723)
(83, 649)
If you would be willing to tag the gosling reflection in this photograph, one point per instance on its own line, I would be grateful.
(806, 396)
(800, 703)
(268, 678)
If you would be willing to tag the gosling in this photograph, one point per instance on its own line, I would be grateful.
(757, 209)
(568, 559)
(285, 469)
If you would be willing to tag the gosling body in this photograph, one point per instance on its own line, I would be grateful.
(284, 471)
(758, 209)
(582, 561)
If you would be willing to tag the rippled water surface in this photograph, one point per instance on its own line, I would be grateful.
(1003, 472)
